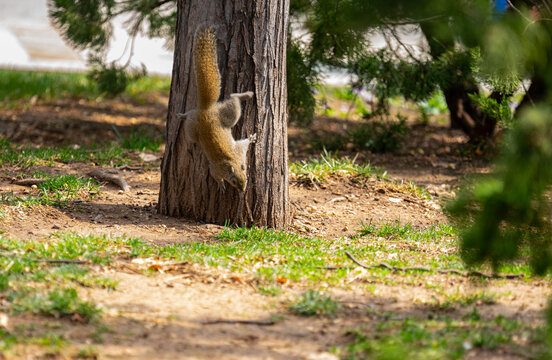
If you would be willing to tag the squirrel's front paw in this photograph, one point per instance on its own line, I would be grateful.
(248, 95)
(253, 139)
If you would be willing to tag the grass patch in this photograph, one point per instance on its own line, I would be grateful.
(140, 140)
(315, 303)
(274, 257)
(56, 302)
(31, 285)
(27, 156)
(144, 85)
(441, 338)
(450, 300)
(380, 136)
(56, 191)
(88, 352)
(19, 87)
(317, 170)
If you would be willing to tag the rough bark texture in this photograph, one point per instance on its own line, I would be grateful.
(251, 46)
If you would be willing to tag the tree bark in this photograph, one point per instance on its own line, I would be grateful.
(251, 47)
(465, 114)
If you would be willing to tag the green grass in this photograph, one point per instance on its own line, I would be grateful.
(140, 140)
(272, 257)
(57, 302)
(27, 156)
(317, 170)
(147, 85)
(314, 303)
(32, 285)
(441, 338)
(56, 191)
(88, 352)
(17, 87)
(453, 299)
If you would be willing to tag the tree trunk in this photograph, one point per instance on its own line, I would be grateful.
(251, 46)
(465, 114)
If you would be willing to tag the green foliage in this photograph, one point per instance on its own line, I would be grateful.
(379, 136)
(507, 211)
(498, 110)
(329, 142)
(435, 104)
(111, 79)
(415, 80)
(301, 79)
(313, 303)
(84, 23)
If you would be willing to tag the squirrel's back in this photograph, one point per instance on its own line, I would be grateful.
(206, 67)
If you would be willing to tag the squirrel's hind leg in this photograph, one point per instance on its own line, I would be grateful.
(190, 126)
(230, 110)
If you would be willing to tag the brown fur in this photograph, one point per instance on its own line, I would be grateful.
(210, 125)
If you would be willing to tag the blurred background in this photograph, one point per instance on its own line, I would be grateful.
(30, 41)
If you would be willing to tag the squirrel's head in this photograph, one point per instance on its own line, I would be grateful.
(235, 176)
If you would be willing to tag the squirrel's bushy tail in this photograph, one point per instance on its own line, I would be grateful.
(206, 67)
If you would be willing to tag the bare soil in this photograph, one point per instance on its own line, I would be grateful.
(162, 316)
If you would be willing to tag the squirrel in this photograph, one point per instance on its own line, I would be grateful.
(210, 124)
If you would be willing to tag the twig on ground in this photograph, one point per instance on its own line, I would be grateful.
(29, 182)
(441, 271)
(243, 322)
(334, 267)
(132, 168)
(52, 261)
(116, 180)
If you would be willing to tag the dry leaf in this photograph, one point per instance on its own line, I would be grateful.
(155, 267)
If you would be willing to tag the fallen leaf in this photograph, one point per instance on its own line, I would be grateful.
(155, 267)
(236, 279)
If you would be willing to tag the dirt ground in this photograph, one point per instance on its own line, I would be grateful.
(166, 315)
